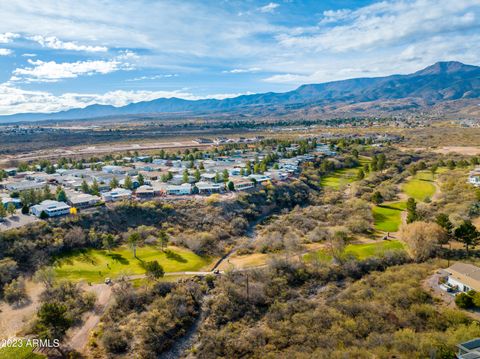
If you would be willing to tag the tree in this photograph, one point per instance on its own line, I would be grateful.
(154, 270)
(443, 221)
(61, 196)
(433, 170)
(411, 210)
(423, 239)
(45, 275)
(3, 212)
(231, 186)
(46, 192)
(197, 175)
(108, 241)
(337, 244)
(163, 238)
(133, 240)
(128, 184)
(25, 209)
(15, 292)
(225, 175)
(95, 189)
(467, 234)
(377, 197)
(85, 188)
(114, 183)
(464, 301)
(185, 178)
(360, 174)
(53, 320)
(140, 179)
(11, 209)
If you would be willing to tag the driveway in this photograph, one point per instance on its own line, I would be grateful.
(17, 220)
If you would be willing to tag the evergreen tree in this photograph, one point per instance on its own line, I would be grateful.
(140, 179)
(411, 210)
(61, 196)
(114, 183)
(85, 188)
(128, 184)
(95, 189)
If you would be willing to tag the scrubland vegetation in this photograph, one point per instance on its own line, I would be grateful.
(327, 285)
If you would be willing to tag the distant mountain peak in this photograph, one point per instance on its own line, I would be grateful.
(446, 67)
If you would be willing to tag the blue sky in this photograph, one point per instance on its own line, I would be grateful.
(56, 55)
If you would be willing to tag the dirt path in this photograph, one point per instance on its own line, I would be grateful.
(13, 320)
(78, 336)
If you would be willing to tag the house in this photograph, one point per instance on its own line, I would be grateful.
(23, 186)
(51, 208)
(175, 190)
(117, 194)
(474, 177)
(469, 349)
(82, 200)
(209, 187)
(145, 192)
(242, 184)
(463, 276)
(259, 178)
(15, 201)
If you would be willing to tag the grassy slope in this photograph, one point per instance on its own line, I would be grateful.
(420, 186)
(360, 251)
(342, 177)
(19, 353)
(95, 265)
(388, 217)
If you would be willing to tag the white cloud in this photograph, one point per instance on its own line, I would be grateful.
(154, 77)
(15, 100)
(241, 71)
(29, 55)
(52, 71)
(5, 52)
(53, 42)
(8, 37)
(269, 8)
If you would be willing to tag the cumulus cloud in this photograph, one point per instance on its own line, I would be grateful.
(51, 71)
(16, 100)
(7, 37)
(269, 8)
(53, 42)
(5, 52)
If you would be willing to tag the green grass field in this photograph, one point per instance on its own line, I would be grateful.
(19, 353)
(94, 265)
(360, 251)
(388, 217)
(342, 177)
(420, 186)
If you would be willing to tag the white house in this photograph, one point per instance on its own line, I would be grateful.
(117, 194)
(82, 200)
(51, 208)
(209, 187)
(463, 276)
(184, 188)
(474, 177)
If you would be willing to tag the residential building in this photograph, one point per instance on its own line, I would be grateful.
(51, 208)
(209, 187)
(469, 349)
(145, 192)
(24, 185)
(474, 177)
(117, 194)
(463, 276)
(15, 201)
(82, 200)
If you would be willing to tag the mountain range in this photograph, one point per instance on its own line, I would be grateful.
(442, 82)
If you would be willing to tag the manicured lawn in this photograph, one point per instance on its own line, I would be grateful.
(94, 265)
(420, 186)
(342, 177)
(360, 251)
(388, 217)
(19, 353)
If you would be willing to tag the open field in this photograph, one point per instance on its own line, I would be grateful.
(420, 186)
(387, 217)
(95, 265)
(360, 251)
(343, 176)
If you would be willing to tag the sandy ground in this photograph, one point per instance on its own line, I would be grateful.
(78, 336)
(463, 150)
(16, 221)
(100, 149)
(476, 222)
(13, 320)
